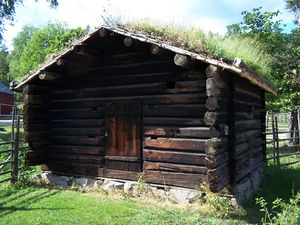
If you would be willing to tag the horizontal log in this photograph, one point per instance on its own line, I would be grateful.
(183, 60)
(214, 161)
(174, 157)
(75, 158)
(151, 99)
(190, 132)
(77, 113)
(84, 131)
(68, 123)
(122, 158)
(111, 91)
(246, 135)
(33, 158)
(216, 87)
(33, 118)
(77, 140)
(217, 175)
(155, 50)
(35, 109)
(86, 51)
(247, 125)
(222, 182)
(37, 145)
(173, 121)
(243, 85)
(77, 149)
(122, 165)
(40, 126)
(216, 103)
(32, 89)
(214, 146)
(213, 71)
(119, 174)
(35, 135)
(214, 118)
(188, 86)
(103, 32)
(174, 179)
(241, 96)
(35, 99)
(75, 169)
(49, 76)
(255, 163)
(174, 167)
(241, 148)
(193, 110)
(175, 144)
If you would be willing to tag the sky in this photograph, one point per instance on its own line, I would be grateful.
(210, 15)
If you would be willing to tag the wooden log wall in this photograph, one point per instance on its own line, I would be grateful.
(216, 117)
(174, 131)
(248, 104)
(36, 132)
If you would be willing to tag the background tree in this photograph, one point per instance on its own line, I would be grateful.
(8, 10)
(4, 65)
(283, 47)
(32, 46)
(294, 6)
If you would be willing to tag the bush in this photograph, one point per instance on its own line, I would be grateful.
(287, 213)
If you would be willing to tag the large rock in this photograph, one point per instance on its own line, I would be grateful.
(84, 182)
(60, 181)
(110, 185)
(129, 186)
(183, 195)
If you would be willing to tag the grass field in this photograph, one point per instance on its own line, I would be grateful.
(42, 205)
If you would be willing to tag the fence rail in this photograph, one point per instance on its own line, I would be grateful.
(10, 150)
(282, 140)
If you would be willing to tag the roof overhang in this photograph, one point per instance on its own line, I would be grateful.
(229, 65)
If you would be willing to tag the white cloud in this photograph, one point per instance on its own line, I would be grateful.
(210, 15)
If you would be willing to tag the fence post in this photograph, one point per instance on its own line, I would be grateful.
(277, 141)
(15, 168)
(274, 137)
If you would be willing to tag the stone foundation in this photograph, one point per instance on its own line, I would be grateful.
(249, 185)
(132, 188)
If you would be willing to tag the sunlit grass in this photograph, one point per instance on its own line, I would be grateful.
(250, 50)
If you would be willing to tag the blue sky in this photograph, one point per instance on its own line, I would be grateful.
(210, 15)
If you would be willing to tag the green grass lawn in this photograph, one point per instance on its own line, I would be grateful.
(37, 205)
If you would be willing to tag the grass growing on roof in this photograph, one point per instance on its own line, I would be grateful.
(250, 50)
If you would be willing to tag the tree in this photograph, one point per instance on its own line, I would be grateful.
(3, 65)
(7, 11)
(283, 47)
(33, 46)
(294, 6)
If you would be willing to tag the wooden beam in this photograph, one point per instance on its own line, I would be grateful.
(128, 42)
(155, 50)
(87, 52)
(182, 60)
(103, 32)
(46, 75)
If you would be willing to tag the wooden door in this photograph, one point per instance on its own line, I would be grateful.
(123, 136)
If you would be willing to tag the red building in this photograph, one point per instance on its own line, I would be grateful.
(6, 100)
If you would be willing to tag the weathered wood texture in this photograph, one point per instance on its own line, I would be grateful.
(249, 113)
(36, 99)
(216, 116)
(90, 120)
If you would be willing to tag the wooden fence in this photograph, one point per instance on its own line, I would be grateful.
(11, 149)
(282, 141)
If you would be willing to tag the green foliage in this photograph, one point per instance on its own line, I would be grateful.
(4, 65)
(33, 46)
(7, 11)
(293, 5)
(281, 212)
(251, 50)
(284, 48)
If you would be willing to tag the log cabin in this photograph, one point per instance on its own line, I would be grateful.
(117, 104)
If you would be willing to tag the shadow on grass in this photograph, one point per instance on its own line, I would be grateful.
(277, 183)
(18, 199)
